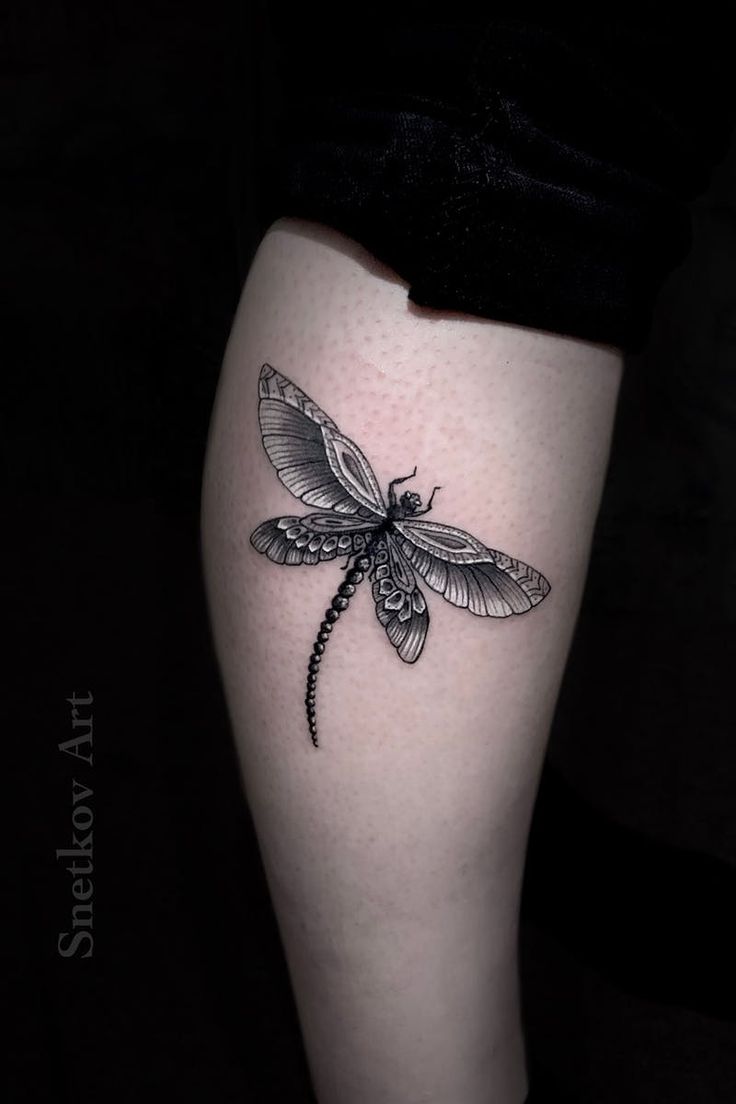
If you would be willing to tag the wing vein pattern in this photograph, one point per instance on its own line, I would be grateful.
(311, 539)
(400, 605)
(466, 573)
(316, 462)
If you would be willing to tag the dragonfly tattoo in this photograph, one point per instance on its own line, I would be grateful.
(387, 541)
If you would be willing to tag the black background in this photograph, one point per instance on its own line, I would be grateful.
(131, 170)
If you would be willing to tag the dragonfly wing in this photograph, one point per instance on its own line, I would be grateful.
(400, 604)
(466, 573)
(312, 458)
(311, 539)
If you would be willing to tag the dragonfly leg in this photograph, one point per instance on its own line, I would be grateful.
(428, 507)
(395, 483)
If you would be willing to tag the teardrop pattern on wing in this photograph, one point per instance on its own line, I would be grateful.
(312, 539)
(400, 604)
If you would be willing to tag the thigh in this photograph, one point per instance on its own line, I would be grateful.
(395, 849)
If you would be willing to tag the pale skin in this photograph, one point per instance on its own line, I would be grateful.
(395, 851)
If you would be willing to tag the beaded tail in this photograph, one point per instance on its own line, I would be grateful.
(353, 577)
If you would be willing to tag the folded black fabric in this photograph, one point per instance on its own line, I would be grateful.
(531, 171)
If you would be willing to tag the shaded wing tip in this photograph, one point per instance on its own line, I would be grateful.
(544, 588)
(261, 533)
(266, 374)
(410, 658)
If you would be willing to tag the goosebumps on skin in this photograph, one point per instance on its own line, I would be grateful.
(323, 468)
(395, 857)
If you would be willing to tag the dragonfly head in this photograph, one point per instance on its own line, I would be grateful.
(411, 503)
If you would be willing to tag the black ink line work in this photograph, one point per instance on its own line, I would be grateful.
(388, 542)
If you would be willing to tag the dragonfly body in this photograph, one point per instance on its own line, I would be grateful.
(382, 538)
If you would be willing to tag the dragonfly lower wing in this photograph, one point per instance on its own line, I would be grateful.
(312, 539)
(400, 604)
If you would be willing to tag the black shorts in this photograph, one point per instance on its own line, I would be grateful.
(537, 172)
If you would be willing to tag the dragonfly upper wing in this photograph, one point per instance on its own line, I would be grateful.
(311, 539)
(311, 457)
(466, 573)
(400, 604)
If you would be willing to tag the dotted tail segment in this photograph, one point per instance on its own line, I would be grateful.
(353, 577)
